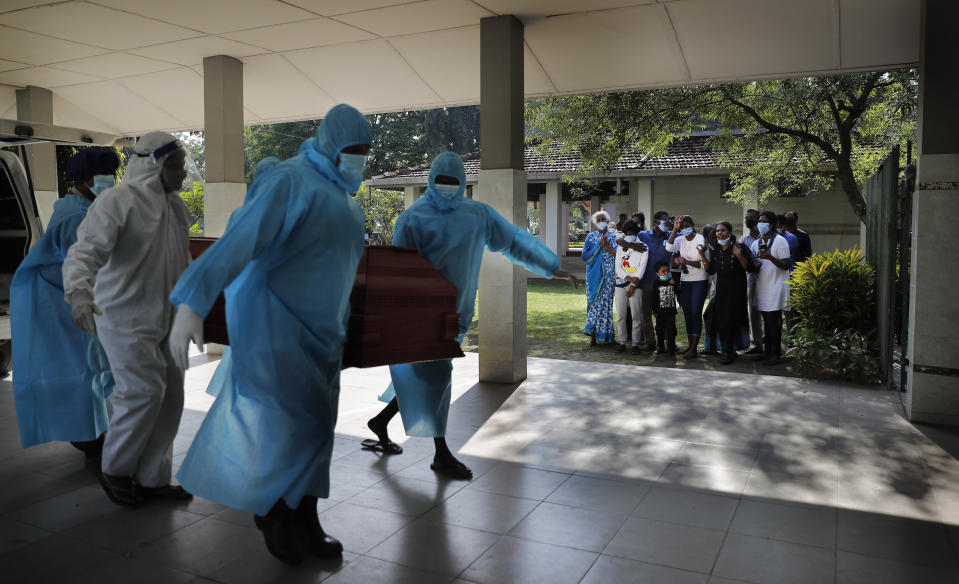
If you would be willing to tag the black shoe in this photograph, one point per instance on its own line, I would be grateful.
(318, 542)
(711, 352)
(621, 348)
(636, 350)
(660, 350)
(727, 358)
(168, 492)
(760, 357)
(754, 351)
(281, 533)
(773, 360)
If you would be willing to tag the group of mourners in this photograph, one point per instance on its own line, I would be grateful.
(105, 305)
(643, 272)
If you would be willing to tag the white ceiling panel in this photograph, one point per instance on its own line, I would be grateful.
(8, 102)
(275, 89)
(113, 29)
(448, 60)
(538, 8)
(610, 49)
(192, 51)
(35, 49)
(417, 17)
(733, 39)
(214, 16)
(535, 81)
(178, 92)
(316, 32)
(113, 65)
(11, 65)
(67, 114)
(119, 107)
(334, 7)
(362, 74)
(11, 5)
(878, 31)
(44, 77)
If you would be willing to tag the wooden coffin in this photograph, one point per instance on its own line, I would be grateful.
(401, 310)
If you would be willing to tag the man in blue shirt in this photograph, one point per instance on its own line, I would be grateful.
(805, 242)
(655, 241)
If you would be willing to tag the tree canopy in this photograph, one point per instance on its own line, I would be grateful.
(777, 136)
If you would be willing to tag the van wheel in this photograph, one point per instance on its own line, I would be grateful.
(6, 357)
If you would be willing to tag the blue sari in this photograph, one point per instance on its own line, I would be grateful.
(600, 286)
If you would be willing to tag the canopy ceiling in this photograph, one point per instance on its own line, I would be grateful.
(130, 66)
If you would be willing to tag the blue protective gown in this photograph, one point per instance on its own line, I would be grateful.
(61, 377)
(291, 253)
(451, 234)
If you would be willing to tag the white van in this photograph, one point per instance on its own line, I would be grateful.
(20, 225)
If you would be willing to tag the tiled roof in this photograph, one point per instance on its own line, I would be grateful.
(689, 154)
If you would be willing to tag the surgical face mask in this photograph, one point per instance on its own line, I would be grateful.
(447, 191)
(664, 278)
(631, 239)
(686, 232)
(351, 166)
(763, 227)
(102, 182)
(662, 225)
(723, 241)
(602, 225)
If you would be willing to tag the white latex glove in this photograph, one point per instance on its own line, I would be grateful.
(560, 273)
(187, 326)
(82, 309)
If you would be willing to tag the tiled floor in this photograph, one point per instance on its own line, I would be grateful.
(586, 472)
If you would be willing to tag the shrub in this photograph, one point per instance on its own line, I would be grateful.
(834, 291)
(842, 354)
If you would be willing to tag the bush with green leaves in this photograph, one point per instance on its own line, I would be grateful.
(834, 291)
(843, 354)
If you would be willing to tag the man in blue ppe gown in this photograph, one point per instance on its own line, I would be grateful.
(451, 232)
(61, 375)
(131, 247)
(287, 260)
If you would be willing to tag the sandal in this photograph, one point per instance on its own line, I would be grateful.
(168, 493)
(452, 468)
(384, 447)
(121, 490)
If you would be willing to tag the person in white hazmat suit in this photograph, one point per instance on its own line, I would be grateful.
(131, 248)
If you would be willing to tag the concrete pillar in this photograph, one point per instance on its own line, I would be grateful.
(223, 133)
(409, 196)
(552, 219)
(643, 189)
(35, 104)
(502, 184)
(932, 376)
(596, 204)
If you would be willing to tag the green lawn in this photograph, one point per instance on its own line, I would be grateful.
(556, 314)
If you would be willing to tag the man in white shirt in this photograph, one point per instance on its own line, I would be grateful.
(630, 266)
(770, 293)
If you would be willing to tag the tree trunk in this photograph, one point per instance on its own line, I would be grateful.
(849, 186)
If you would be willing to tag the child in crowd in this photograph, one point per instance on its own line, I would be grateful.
(664, 308)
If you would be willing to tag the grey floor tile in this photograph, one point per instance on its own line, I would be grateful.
(599, 494)
(720, 480)
(127, 530)
(766, 561)
(530, 562)
(787, 487)
(669, 544)
(481, 510)
(519, 481)
(719, 456)
(132, 569)
(805, 524)
(258, 566)
(689, 507)
(904, 540)
(859, 569)
(54, 559)
(203, 547)
(574, 527)
(372, 570)
(435, 547)
(14, 534)
(406, 496)
(361, 528)
(67, 510)
(609, 569)
(346, 481)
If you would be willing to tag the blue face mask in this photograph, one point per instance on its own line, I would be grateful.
(102, 182)
(447, 191)
(662, 225)
(602, 225)
(724, 241)
(686, 232)
(631, 239)
(763, 227)
(664, 278)
(351, 167)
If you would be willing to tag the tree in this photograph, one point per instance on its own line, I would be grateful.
(380, 210)
(194, 204)
(776, 136)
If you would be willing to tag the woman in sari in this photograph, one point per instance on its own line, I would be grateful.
(599, 253)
